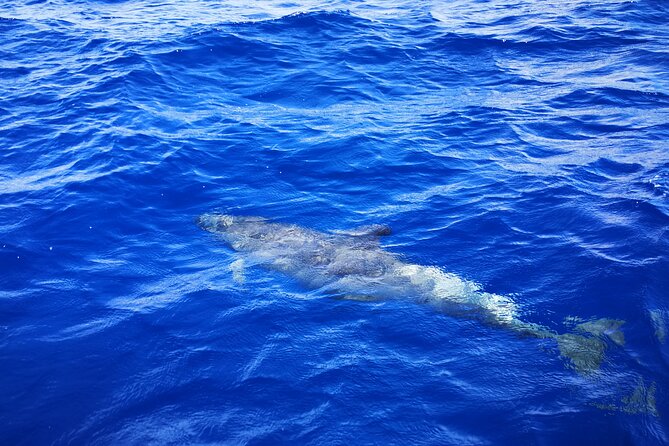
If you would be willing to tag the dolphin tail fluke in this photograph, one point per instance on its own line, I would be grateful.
(585, 348)
(609, 328)
(586, 354)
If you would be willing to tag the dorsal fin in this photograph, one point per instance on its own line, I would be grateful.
(367, 231)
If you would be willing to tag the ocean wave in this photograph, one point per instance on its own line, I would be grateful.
(521, 145)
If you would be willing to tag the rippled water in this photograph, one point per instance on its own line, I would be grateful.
(519, 145)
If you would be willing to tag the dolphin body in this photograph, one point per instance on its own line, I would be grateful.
(352, 264)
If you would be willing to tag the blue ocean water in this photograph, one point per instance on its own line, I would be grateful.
(520, 145)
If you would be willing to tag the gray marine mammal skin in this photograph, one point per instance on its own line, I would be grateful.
(352, 264)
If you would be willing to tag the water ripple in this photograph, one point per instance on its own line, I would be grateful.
(519, 145)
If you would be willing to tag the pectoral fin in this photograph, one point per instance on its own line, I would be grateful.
(237, 269)
(359, 297)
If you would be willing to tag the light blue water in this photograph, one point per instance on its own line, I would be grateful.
(519, 145)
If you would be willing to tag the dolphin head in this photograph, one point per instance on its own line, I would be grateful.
(243, 233)
(215, 222)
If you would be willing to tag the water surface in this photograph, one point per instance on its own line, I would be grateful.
(520, 145)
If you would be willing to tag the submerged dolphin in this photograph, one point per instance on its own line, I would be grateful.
(352, 264)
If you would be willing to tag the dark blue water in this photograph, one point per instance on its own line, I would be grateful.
(520, 145)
